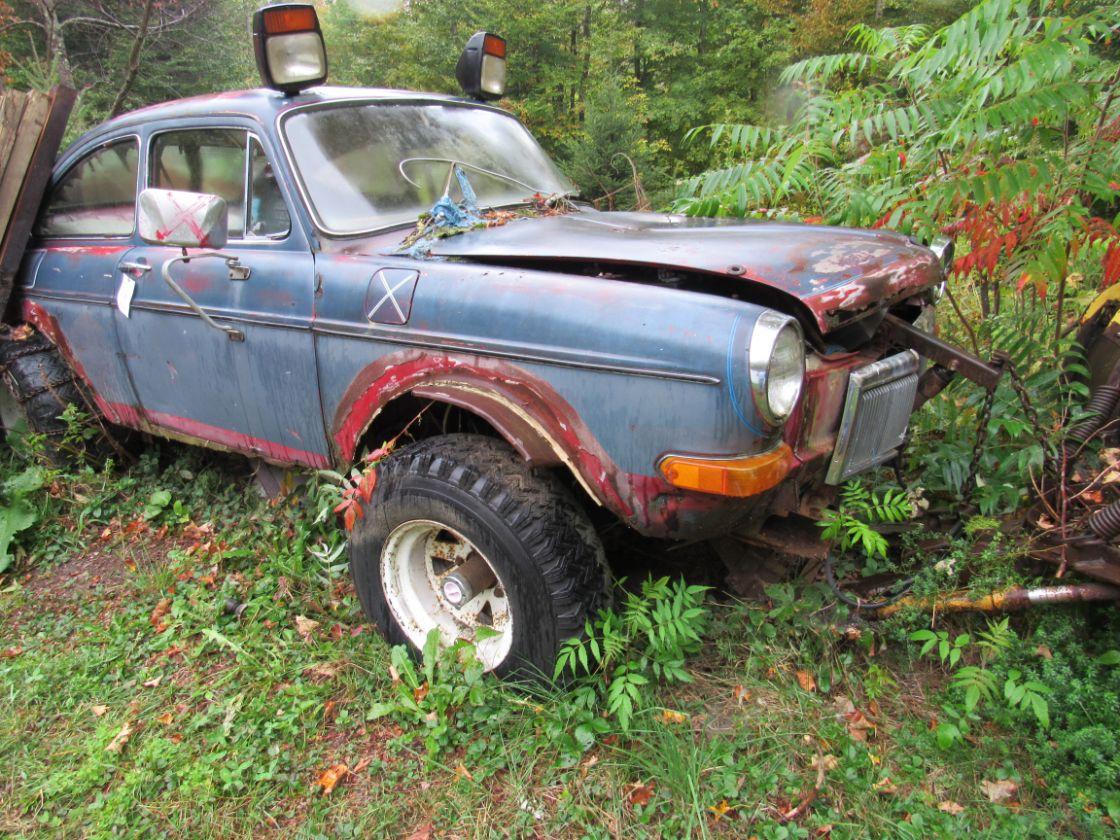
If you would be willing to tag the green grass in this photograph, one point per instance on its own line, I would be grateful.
(234, 713)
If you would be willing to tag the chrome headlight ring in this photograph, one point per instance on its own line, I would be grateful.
(776, 365)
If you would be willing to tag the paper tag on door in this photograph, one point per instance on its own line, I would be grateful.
(124, 294)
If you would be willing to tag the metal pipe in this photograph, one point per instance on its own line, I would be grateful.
(1008, 600)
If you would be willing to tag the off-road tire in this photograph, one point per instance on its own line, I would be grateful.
(42, 386)
(524, 521)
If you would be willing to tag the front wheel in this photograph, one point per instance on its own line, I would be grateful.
(462, 537)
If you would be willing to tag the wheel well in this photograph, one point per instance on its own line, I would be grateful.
(414, 418)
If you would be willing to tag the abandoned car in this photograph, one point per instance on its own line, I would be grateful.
(245, 271)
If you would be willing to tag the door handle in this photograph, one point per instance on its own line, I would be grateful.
(135, 268)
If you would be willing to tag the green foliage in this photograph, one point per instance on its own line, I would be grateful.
(18, 510)
(944, 431)
(852, 524)
(448, 678)
(648, 639)
(978, 684)
(993, 127)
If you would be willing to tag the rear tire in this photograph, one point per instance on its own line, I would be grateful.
(38, 386)
(450, 499)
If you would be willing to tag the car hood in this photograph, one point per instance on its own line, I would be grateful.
(834, 272)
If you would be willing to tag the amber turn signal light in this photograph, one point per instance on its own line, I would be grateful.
(729, 476)
(281, 19)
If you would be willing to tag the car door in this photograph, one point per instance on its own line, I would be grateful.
(69, 277)
(258, 394)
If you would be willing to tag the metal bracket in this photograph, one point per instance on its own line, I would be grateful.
(233, 333)
(946, 355)
(237, 271)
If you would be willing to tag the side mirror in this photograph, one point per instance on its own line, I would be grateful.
(183, 219)
(481, 70)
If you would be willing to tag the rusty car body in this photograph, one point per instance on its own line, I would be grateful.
(618, 351)
(598, 342)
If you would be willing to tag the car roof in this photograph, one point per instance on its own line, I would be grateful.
(262, 104)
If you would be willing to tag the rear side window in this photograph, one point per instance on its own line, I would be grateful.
(96, 196)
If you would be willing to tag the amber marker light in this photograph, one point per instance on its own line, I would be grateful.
(738, 477)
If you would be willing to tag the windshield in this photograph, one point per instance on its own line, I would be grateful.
(350, 159)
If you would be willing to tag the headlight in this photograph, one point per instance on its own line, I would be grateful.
(776, 360)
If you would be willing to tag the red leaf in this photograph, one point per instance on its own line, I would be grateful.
(367, 484)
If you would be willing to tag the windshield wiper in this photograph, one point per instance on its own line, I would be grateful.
(452, 163)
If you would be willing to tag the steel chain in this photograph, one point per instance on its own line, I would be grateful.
(977, 452)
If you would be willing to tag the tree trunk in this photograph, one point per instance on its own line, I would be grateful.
(56, 46)
(133, 60)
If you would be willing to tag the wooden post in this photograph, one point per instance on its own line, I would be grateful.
(31, 128)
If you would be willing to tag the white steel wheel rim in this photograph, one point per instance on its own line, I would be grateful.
(415, 560)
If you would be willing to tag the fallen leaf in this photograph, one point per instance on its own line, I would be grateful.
(1043, 652)
(463, 773)
(740, 694)
(120, 739)
(99, 710)
(330, 777)
(843, 705)
(721, 810)
(156, 618)
(806, 681)
(858, 725)
(1000, 790)
(420, 693)
(669, 716)
(12, 652)
(323, 671)
(830, 762)
(362, 765)
(166, 718)
(639, 793)
(950, 807)
(305, 626)
(153, 682)
(885, 786)
(424, 832)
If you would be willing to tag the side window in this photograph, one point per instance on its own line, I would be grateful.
(96, 196)
(204, 160)
(268, 215)
(213, 160)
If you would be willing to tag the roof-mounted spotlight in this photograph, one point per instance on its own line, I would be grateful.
(289, 47)
(481, 70)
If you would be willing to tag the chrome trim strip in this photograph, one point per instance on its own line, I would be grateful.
(279, 322)
(877, 373)
(390, 336)
(378, 333)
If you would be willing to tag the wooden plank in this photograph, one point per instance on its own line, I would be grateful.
(28, 132)
(12, 104)
(28, 167)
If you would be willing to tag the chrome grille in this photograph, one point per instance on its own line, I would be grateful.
(876, 414)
